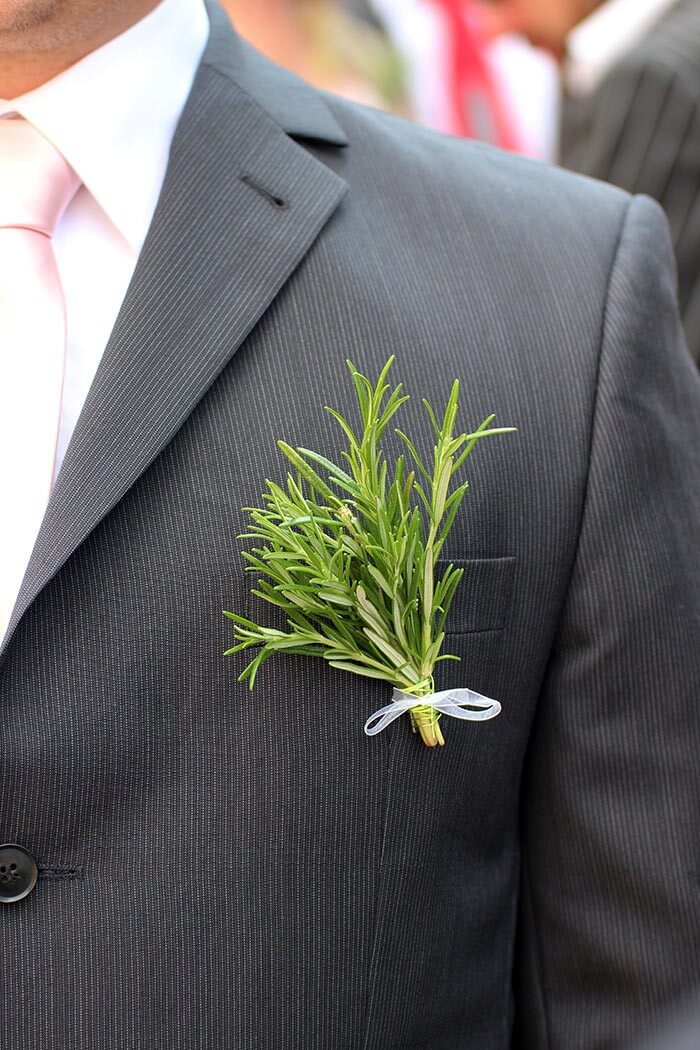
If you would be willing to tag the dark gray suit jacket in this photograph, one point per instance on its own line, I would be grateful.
(221, 870)
(641, 130)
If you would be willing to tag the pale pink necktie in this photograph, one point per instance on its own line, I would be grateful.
(36, 185)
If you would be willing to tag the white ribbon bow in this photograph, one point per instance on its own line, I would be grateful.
(453, 702)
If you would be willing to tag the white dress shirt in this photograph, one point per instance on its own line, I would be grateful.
(613, 29)
(112, 116)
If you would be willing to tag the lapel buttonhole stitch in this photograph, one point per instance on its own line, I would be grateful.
(273, 198)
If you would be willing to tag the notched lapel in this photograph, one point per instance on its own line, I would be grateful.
(241, 205)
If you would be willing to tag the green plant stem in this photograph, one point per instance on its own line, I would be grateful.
(349, 554)
(425, 719)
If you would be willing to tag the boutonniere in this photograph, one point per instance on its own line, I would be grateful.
(349, 554)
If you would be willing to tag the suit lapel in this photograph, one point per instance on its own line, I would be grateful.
(241, 204)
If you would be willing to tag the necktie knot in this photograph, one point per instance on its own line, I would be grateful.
(36, 182)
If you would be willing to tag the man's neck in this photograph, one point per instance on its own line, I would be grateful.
(30, 59)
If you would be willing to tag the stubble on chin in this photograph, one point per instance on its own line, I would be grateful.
(39, 25)
(22, 16)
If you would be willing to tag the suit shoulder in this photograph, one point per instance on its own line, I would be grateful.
(402, 169)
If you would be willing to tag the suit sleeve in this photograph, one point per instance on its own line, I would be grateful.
(641, 135)
(610, 901)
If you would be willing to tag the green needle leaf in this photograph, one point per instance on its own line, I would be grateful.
(355, 574)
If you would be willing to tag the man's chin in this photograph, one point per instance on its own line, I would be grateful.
(21, 18)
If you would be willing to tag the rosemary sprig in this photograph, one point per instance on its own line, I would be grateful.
(349, 553)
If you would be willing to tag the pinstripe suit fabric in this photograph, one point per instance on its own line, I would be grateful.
(222, 870)
(641, 130)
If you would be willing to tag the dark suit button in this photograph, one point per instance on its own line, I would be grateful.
(18, 873)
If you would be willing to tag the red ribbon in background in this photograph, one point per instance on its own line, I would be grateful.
(477, 108)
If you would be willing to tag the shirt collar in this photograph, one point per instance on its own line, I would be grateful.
(113, 114)
(597, 43)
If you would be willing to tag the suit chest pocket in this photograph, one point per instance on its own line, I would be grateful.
(483, 597)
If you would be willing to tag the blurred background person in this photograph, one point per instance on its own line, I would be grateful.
(631, 108)
(454, 88)
(327, 44)
(465, 83)
(429, 60)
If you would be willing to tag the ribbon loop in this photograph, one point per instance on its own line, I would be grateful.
(457, 703)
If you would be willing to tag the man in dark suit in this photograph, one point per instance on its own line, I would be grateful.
(631, 107)
(186, 866)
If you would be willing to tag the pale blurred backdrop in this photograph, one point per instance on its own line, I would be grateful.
(607, 88)
(424, 59)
